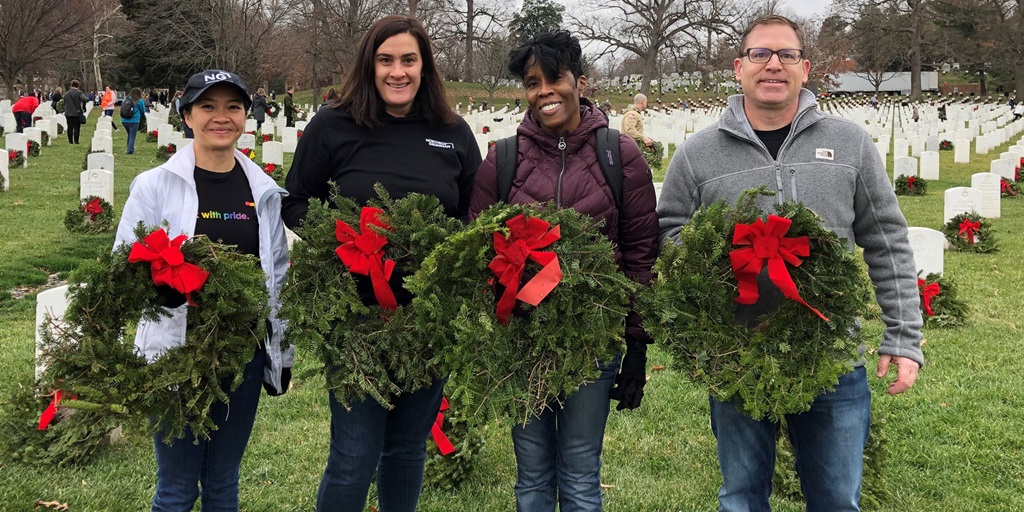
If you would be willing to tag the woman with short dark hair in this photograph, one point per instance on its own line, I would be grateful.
(391, 125)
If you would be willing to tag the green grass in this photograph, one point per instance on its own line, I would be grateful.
(955, 439)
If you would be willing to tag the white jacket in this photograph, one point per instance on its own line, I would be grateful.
(168, 194)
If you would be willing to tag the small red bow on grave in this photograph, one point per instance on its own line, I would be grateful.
(440, 439)
(363, 253)
(51, 410)
(167, 263)
(269, 168)
(93, 208)
(928, 292)
(1005, 187)
(968, 230)
(761, 243)
(526, 235)
(911, 180)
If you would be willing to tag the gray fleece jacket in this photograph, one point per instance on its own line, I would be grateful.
(830, 165)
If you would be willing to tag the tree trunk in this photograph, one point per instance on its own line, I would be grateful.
(981, 83)
(96, 61)
(1018, 70)
(413, 5)
(469, 41)
(916, 48)
(650, 70)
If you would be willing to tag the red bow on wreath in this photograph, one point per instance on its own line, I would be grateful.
(763, 243)
(928, 292)
(269, 169)
(911, 180)
(364, 254)
(525, 237)
(93, 208)
(167, 263)
(51, 410)
(440, 439)
(969, 230)
(1005, 187)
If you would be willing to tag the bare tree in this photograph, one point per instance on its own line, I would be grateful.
(647, 28)
(106, 12)
(33, 31)
(877, 45)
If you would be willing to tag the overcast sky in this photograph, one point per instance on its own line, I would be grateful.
(807, 8)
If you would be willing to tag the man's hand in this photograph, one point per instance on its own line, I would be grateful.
(906, 372)
(647, 141)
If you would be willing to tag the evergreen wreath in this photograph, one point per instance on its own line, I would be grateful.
(940, 306)
(970, 232)
(275, 171)
(153, 136)
(2, 183)
(15, 158)
(652, 154)
(945, 145)
(85, 162)
(60, 130)
(911, 186)
(92, 357)
(45, 138)
(165, 152)
(33, 148)
(791, 356)
(264, 138)
(518, 365)
(467, 437)
(2, 131)
(93, 215)
(273, 108)
(1008, 188)
(366, 350)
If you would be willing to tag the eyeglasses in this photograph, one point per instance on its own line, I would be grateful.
(763, 55)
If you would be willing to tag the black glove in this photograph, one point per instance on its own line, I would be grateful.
(629, 383)
(286, 380)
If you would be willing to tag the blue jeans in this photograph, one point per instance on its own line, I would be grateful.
(213, 464)
(370, 438)
(828, 443)
(133, 129)
(558, 455)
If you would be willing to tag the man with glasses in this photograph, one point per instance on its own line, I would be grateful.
(774, 135)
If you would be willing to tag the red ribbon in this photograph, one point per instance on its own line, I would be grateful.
(525, 237)
(911, 180)
(93, 208)
(928, 292)
(440, 439)
(968, 230)
(364, 254)
(167, 263)
(51, 410)
(763, 243)
(1004, 187)
(270, 168)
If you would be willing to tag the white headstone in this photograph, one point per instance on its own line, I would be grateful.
(19, 142)
(247, 141)
(900, 147)
(959, 200)
(928, 245)
(104, 144)
(52, 303)
(176, 138)
(163, 134)
(273, 153)
(290, 139)
(1003, 168)
(10, 122)
(932, 144)
(5, 173)
(97, 182)
(100, 161)
(46, 125)
(930, 165)
(962, 151)
(250, 125)
(102, 133)
(301, 125)
(987, 184)
(904, 166)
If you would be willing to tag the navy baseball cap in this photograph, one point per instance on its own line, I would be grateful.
(200, 82)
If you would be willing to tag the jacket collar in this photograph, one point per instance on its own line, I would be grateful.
(735, 121)
(183, 164)
(590, 121)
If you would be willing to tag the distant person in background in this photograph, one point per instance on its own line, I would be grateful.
(107, 104)
(23, 109)
(330, 97)
(74, 111)
(606, 109)
(131, 124)
(163, 98)
(259, 107)
(55, 98)
(633, 121)
(289, 107)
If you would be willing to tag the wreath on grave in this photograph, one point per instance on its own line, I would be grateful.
(946, 145)
(33, 148)
(45, 138)
(264, 138)
(1, 131)
(275, 171)
(273, 108)
(3, 182)
(374, 348)
(175, 121)
(298, 134)
(780, 362)
(15, 158)
(940, 306)
(93, 215)
(60, 129)
(652, 154)
(1016, 172)
(250, 153)
(970, 232)
(152, 136)
(93, 367)
(910, 186)
(85, 162)
(1008, 188)
(533, 299)
(165, 152)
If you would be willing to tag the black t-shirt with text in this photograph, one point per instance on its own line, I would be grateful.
(227, 211)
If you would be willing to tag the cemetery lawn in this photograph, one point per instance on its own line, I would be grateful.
(953, 442)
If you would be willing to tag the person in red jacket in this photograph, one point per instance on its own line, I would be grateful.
(558, 455)
(23, 109)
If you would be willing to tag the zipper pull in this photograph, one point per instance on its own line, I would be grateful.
(561, 143)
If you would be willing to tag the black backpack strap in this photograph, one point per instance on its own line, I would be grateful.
(506, 154)
(608, 155)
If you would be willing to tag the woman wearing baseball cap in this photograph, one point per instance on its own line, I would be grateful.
(392, 124)
(191, 192)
